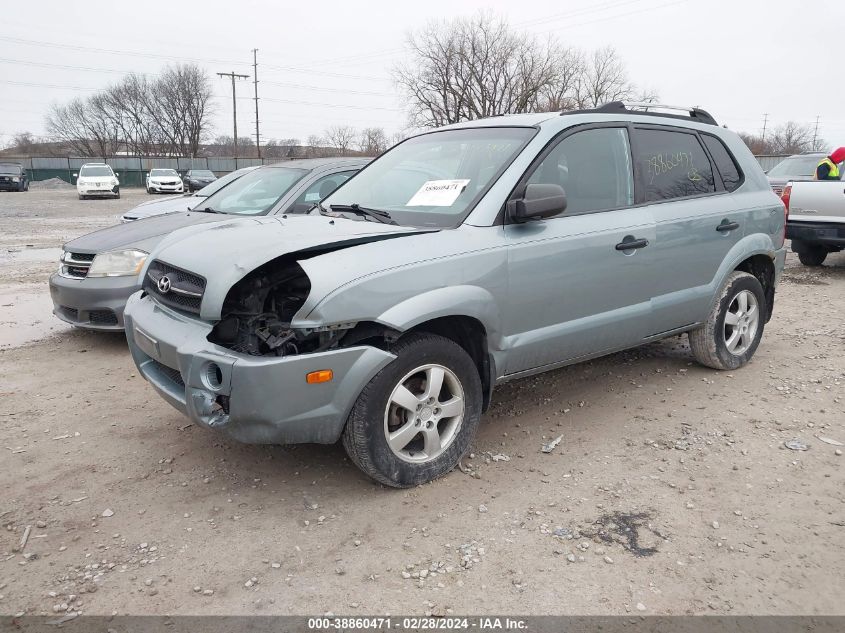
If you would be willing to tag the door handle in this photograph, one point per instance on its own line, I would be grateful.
(727, 225)
(631, 244)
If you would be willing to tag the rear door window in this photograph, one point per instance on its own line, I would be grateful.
(725, 162)
(672, 165)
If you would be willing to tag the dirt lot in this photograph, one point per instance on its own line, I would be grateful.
(671, 491)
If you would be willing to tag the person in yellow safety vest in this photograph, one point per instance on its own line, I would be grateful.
(828, 168)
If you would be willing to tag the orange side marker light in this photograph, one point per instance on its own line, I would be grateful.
(316, 377)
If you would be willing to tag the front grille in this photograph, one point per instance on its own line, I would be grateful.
(70, 313)
(170, 374)
(102, 317)
(185, 289)
(76, 264)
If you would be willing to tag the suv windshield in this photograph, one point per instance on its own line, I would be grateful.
(200, 173)
(254, 193)
(95, 171)
(14, 170)
(434, 179)
(795, 167)
(164, 172)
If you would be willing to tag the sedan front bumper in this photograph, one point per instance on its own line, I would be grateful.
(93, 303)
(254, 399)
(166, 188)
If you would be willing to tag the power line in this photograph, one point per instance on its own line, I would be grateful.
(577, 12)
(616, 16)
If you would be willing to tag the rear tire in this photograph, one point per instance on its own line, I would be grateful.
(732, 332)
(428, 401)
(813, 256)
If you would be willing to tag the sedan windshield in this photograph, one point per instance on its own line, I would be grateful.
(159, 173)
(95, 172)
(221, 182)
(434, 179)
(201, 173)
(795, 167)
(255, 193)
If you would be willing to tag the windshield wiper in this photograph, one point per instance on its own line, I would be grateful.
(357, 209)
(207, 210)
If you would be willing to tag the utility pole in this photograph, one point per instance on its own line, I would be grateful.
(765, 122)
(234, 76)
(255, 84)
(816, 133)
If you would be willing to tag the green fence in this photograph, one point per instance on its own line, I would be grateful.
(131, 170)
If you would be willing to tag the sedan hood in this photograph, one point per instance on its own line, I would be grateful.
(168, 205)
(224, 252)
(135, 233)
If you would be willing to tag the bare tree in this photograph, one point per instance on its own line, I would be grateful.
(281, 148)
(792, 138)
(181, 98)
(80, 126)
(789, 138)
(604, 79)
(373, 141)
(471, 68)
(168, 115)
(341, 137)
(23, 142)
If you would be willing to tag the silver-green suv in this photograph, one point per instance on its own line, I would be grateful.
(460, 259)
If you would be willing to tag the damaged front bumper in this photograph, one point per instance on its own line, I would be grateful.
(254, 399)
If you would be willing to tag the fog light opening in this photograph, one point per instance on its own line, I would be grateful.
(213, 376)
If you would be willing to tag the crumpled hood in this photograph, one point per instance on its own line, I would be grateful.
(136, 234)
(225, 252)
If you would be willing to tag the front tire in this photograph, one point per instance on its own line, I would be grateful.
(734, 328)
(417, 417)
(813, 256)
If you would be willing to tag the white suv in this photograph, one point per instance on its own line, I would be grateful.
(97, 180)
(164, 181)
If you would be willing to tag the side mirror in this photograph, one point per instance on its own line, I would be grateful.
(116, 174)
(539, 201)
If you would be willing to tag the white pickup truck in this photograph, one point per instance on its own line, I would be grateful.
(816, 223)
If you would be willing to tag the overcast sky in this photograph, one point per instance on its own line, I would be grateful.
(325, 63)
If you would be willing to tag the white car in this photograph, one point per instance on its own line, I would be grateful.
(97, 180)
(164, 181)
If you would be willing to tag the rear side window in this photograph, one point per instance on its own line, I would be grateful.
(594, 169)
(672, 165)
(725, 162)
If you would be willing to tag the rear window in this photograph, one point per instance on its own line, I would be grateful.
(672, 165)
(795, 167)
(725, 162)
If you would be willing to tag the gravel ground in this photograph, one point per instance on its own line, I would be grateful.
(671, 490)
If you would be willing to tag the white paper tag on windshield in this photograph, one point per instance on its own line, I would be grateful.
(438, 193)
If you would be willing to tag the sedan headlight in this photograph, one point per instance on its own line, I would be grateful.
(15, 179)
(117, 264)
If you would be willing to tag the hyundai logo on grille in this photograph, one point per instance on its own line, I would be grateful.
(164, 284)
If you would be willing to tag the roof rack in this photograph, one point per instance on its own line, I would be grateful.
(652, 109)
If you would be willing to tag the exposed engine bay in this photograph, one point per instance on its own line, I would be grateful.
(258, 310)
